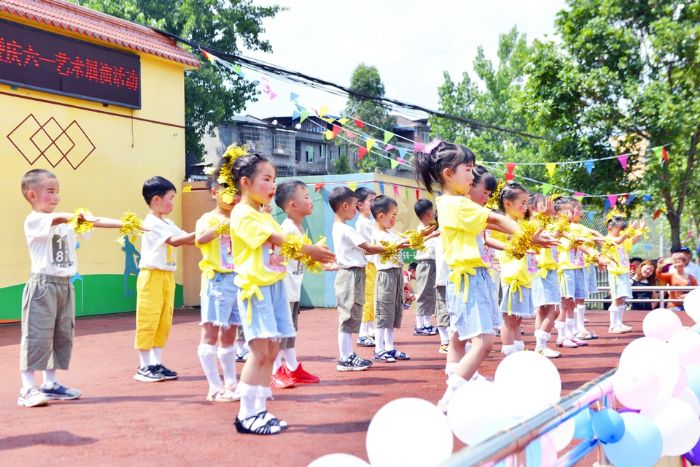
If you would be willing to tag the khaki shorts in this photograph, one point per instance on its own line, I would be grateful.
(48, 320)
(388, 294)
(350, 293)
(442, 314)
(290, 342)
(425, 287)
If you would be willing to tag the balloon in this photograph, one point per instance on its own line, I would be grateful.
(493, 427)
(640, 446)
(691, 305)
(636, 386)
(656, 354)
(608, 426)
(678, 423)
(563, 434)
(540, 451)
(681, 384)
(584, 425)
(475, 405)
(686, 345)
(690, 398)
(425, 435)
(661, 323)
(693, 456)
(692, 373)
(534, 377)
(338, 460)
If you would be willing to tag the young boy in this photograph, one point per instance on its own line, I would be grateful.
(388, 291)
(425, 273)
(219, 308)
(442, 314)
(350, 248)
(155, 286)
(293, 198)
(619, 271)
(365, 227)
(48, 310)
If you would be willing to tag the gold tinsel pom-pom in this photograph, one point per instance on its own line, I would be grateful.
(561, 225)
(220, 226)
(391, 252)
(291, 248)
(632, 232)
(132, 225)
(225, 178)
(78, 223)
(608, 248)
(521, 242)
(493, 202)
(542, 220)
(415, 240)
(311, 265)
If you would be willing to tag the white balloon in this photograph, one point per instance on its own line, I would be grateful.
(562, 435)
(474, 406)
(533, 378)
(409, 432)
(686, 345)
(661, 323)
(657, 355)
(678, 423)
(338, 460)
(691, 305)
(689, 396)
(636, 386)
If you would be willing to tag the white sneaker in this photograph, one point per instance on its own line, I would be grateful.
(223, 395)
(547, 352)
(31, 397)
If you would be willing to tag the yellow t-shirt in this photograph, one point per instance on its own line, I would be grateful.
(216, 254)
(548, 258)
(620, 255)
(519, 272)
(461, 220)
(571, 258)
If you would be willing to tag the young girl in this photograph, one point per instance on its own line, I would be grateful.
(471, 305)
(262, 301)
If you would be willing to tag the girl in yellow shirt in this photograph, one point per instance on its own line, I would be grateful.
(471, 305)
(262, 301)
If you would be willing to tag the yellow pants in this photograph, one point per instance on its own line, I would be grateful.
(155, 301)
(370, 279)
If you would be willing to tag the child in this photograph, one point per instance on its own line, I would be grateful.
(676, 277)
(293, 198)
(517, 275)
(155, 286)
(48, 310)
(388, 292)
(470, 300)
(350, 248)
(261, 299)
(219, 306)
(365, 227)
(425, 273)
(620, 242)
(442, 315)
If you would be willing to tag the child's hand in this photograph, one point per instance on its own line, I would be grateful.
(320, 253)
(428, 230)
(331, 267)
(404, 244)
(542, 238)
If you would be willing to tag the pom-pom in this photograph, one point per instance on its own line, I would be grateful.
(415, 240)
(390, 253)
(225, 179)
(78, 222)
(311, 265)
(220, 226)
(521, 242)
(561, 225)
(542, 220)
(131, 225)
(615, 213)
(291, 248)
(493, 202)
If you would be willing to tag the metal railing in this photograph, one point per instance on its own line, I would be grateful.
(513, 441)
(662, 290)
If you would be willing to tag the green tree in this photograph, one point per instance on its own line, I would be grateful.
(212, 97)
(367, 82)
(342, 165)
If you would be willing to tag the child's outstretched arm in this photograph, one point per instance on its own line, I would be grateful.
(206, 235)
(179, 240)
(60, 217)
(495, 244)
(318, 253)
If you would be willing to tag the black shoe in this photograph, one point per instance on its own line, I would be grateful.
(256, 425)
(166, 372)
(149, 374)
(353, 363)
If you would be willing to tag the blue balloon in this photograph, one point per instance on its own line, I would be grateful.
(584, 426)
(640, 446)
(608, 426)
(693, 374)
(533, 453)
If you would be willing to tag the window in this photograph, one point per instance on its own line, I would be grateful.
(324, 150)
(283, 142)
(309, 150)
(425, 136)
(253, 138)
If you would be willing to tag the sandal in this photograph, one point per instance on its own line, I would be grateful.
(384, 356)
(398, 355)
(269, 418)
(257, 425)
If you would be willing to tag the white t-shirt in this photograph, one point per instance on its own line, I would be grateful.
(442, 270)
(429, 252)
(51, 247)
(295, 269)
(691, 268)
(346, 241)
(365, 227)
(391, 237)
(155, 253)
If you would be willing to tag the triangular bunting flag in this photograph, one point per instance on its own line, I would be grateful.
(546, 188)
(237, 69)
(613, 200)
(551, 168)
(417, 194)
(295, 114)
(622, 159)
(664, 154)
(657, 213)
(352, 185)
(403, 152)
(322, 111)
(370, 143)
(329, 134)
(387, 136)
(591, 215)
(579, 196)
(606, 205)
(396, 191)
(210, 57)
(344, 121)
(361, 152)
(405, 194)
(510, 167)
(359, 123)
(349, 133)
(402, 160)
(393, 163)
(319, 186)
(646, 198)
(389, 147)
(381, 187)
(336, 130)
(304, 116)
(589, 166)
(293, 96)
(418, 147)
(509, 176)
(631, 198)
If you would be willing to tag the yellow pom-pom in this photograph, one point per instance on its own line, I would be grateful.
(521, 242)
(78, 223)
(132, 225)
(291, 248)
(391, 252)
(542, 220)
(493, 202)
(415, 240)
(561, 225)
(233, 152)
(220, 226)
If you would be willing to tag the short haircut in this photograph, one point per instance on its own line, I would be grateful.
(363, 193)
(422, 207)
(509, 192)
(286, 191)
(382, 204)
(617, 221)
(34, 177)
(562, 201)
(339, 195)
(481, 174)
(156, 186)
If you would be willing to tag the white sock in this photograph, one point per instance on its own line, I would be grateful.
(379, 335)
(27, 379)
(239, 346)
(156, 356)
(519, 346)
(454, 382)
(444, 335)
(570, 327)
(261, 398)
(613, 312)
(144, 358)
(370, 328)
(207, 357)
(345, 344)
(249, 396)
(507, 349)
(277, 363)
(227, 359)
(364, 329)
(450, 368)
(290, 359)
(389, 338)
(49, 377)
(618, 315)
(426, 322)
(541, 338)
(580, 314)
(560, 327)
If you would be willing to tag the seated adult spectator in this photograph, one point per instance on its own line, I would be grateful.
(644, 275)
(676, 277)
(634, 264)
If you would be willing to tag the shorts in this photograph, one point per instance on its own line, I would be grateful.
(350, 294)
(388, 298)
(155, 301)
(572, 284)
(219, 301)
(290, 342)
(442, 314)
(517, 303)
(368, 307)
(592, 279)
(480, 314)
(546, 291)
(270, 316)
(620, 285)
(425, 287)
(48, 320)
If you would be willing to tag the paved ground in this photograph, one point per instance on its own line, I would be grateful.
(121, 421)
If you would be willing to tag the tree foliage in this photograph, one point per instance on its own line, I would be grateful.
(342, 165)
(211, 97)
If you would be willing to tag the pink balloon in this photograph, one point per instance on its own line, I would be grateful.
(686, 345)
(661, 323)
(681, 384)
(636, 386)
(549, 450)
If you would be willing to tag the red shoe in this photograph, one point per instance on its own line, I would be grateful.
(282, 379)
(301, 376)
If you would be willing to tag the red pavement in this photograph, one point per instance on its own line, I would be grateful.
(121, 421)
